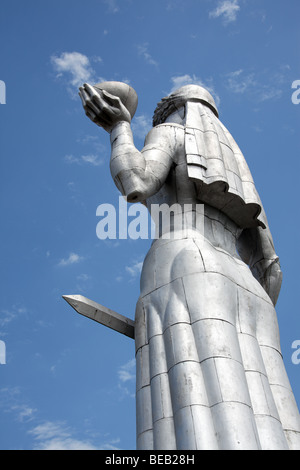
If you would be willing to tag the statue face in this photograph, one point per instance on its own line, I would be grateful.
(177, 117)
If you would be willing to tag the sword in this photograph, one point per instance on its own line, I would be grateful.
(101, 314)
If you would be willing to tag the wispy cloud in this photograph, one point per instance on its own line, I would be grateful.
(76, 68)
(11, 401)
(6, 316)
(90, 159)
(113, 6)
(240, 82)
(92, 140)
(127, 376)
(24, 413)
(72, 259)
(93, 160)
(182, 80)
(144, 53)
(58, 436)
(175, 4)
(89, 154)
(82, 282)
(49, 435)
(135, 269)
(259, 86)
(13, 313)
(227, 9)
(127, 371)
(75, 64)
(83, 277)
(141, 125)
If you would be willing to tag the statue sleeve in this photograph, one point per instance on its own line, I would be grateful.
(256, 248)
(140, 174)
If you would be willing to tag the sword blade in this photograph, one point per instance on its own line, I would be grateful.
(101, 314)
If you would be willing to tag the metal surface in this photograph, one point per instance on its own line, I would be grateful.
(210, 373)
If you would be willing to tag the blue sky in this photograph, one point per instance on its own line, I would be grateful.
(68, 383)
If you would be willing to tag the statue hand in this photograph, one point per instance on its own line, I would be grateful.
(102, 108)
(272, 280)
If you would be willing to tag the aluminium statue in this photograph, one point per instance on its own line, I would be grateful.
(210, 373)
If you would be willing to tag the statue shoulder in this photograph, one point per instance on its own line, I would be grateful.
(167, 130)
(169, 124)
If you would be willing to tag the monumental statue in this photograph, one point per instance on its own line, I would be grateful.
(209, 369)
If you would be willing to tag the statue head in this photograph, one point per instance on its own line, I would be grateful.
(172, 103)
